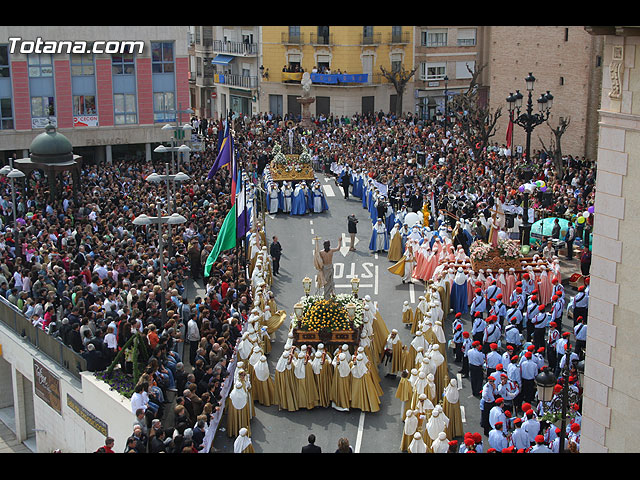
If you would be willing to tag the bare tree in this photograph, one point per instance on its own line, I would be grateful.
(399, 78)
(555, 147)
(476, 121)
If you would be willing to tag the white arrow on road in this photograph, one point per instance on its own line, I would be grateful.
(346, 244)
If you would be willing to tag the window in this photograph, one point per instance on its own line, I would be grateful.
(396, 62)
(461, 69)
(162, 57)
(42, 107)
(367, 32)
(84, 105)
(434, 38)
(466, 37)
(82, 64)
(6, 114)
(40, 65)
(164, 106)
(123, 64)
(4, 61)
(125, 109)
(434, 71)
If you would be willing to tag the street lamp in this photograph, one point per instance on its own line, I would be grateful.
(446, 103)
(173, 219)
(306, 284)
(355, 286)
(12, 173)
(528, 120)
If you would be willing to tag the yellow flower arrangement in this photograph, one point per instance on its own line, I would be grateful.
(325, 315)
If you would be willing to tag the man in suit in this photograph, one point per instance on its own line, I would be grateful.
(276, 253)
(345, 183)
(312, 447)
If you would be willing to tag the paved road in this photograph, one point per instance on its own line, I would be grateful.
(285, 432)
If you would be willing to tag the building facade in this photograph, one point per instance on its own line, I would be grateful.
(565, 61)
(109, 89)
(612, 384)
(344, 63)
(224, 69)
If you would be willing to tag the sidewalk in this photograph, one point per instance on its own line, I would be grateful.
(9, 443)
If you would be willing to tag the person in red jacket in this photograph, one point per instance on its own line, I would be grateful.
(108, 446)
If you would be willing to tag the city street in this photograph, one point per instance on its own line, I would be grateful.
(380, 432)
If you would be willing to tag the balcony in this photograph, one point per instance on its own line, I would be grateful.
(233, 80)
(235, 48)
(287, 38)
(316, 39)
(402, 38)
(371, 39)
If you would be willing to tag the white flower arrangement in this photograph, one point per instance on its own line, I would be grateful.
(479, 250)
(509, 248)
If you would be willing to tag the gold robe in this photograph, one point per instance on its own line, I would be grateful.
(324, 380)
(398, 268)
(238, 418)
(363, 394)
(264, 391)
(407, 316)
(380, 334)
(285, 395)
(403, 393)
(395, 249)
(452, 411)
(341, 389)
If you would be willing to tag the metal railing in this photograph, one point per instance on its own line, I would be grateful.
(399, 38)
(234, 80)
(316, 39)
(291, 39)
(49, 345)
(235, 48)
(371, 39)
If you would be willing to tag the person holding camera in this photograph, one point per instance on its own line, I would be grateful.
(352, 221)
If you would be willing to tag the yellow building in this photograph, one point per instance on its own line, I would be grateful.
(344, 63)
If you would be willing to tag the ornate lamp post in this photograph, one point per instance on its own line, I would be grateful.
(355, 286)
(529, 121)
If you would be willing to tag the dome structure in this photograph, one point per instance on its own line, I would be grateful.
(51, 147)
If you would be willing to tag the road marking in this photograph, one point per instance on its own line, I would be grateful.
(360, 432)
(328, 191)
(312, 231)
(375, 288)
(366, 285)
(464, 418)
(412, 293)
(375, 256)
(310, 222)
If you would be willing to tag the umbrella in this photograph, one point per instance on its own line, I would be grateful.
(544, 227)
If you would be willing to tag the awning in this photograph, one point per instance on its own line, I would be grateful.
(222, 60)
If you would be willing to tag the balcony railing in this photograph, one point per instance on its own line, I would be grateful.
(49, 345)
(292, 39)
(316, 39)
(371, 39)
(399, 38)
(235, 48)
(234, 80)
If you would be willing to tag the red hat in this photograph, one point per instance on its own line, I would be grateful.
(531, 348)
(534, 298)
(465, 334)
(540, 350)
(458, 327)
(507, 413)
(554, 298)
(539, 439)
(575, 427)
(453, 443)
(527, 355)
(535, 291)
(499, 296)
(478, 314)
(514, 358)
(541, 308)
(554, 280)
(579, 318)
(529, 413)
(498, 366)
(477, 437)
(498, 424)
(587, 280)
(517, 421)
(478, 283)
(558, 430)
(566, 334)
(557, 389)
(518, 283)
(492, 300)
(478, 291)
(526, 406)
(499, 400)
(514, 303)
(458, 315)
(469, 442)
(493, 346)
(553, 324)
(581, 288)
(503, 375)
(519, 289)
(525, 276)
(476, 343)
(509, 347)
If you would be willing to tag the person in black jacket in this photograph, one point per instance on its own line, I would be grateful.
(312, 447)
(352, 221)
(346, 181)
(276, 252)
